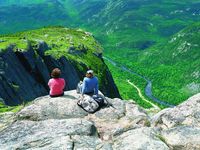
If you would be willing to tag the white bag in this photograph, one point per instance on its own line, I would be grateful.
(88, 104)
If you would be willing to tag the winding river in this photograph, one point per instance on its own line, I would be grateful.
(148, 88)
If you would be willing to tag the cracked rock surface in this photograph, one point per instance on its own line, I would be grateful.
(59, 123)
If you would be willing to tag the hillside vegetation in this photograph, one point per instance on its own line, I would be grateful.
(133, 33)
(173, 67)
(27, 59)
(77, 45)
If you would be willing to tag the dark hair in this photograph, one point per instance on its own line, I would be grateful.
(55, 73)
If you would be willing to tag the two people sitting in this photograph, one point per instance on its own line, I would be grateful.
(56, 84)
(90, 100)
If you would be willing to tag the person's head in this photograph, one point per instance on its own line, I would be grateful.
(55, 73)
(90, 73)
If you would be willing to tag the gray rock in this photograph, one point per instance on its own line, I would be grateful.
(28, 134)
(42, 47)
(139, 139)
(2, 101)
(186, 113)
(110, 88)
(80, 50)
(58, 123)
(156, 120)
(133, 111)
(70, 73)
(86, 142)
(112, 121)
(59, 143)
(97, 54)
(44, 108)
(105, 146)
(183, 137)
(5, 119)
(16, 82)
(116, 112)
(44, 114)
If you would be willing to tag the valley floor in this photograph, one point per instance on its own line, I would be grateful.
(142, 97)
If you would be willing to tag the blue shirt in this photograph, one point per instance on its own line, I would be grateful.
(90, 85)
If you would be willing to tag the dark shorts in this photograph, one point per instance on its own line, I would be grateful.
(57, 95)
(89, 93)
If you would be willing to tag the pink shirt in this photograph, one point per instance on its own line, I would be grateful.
(56, 86)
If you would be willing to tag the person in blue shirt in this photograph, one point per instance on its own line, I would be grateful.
(90, 84)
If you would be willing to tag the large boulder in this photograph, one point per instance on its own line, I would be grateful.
(29, 134)
(182, 137)
(52, 108)
(49, 123)
(180, 126)
(59, 123)
(142, 138)
(187, 113)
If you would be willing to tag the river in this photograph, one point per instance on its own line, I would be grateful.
(148, 88)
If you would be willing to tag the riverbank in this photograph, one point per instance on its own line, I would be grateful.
(148, 87)
(142, 97)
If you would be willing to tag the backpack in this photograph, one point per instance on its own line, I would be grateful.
(79, 87)
(100, 99)
(91, 103)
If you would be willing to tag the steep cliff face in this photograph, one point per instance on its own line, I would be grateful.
(27, 58)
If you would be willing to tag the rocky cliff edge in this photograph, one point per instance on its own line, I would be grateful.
(58, 123)
(27, 59)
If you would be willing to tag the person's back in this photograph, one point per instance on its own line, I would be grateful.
(90, 84)
(56, 84)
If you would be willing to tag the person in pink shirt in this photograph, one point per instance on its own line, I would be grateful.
(56, 84)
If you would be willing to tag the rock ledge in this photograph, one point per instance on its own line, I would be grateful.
(58, 123)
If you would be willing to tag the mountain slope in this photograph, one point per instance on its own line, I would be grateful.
(173, 67)
(132, 38)
(27, 59)
(140, 24)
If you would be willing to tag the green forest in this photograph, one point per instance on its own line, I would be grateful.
(158, 39)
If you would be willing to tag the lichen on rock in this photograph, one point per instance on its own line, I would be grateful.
(59, 123)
